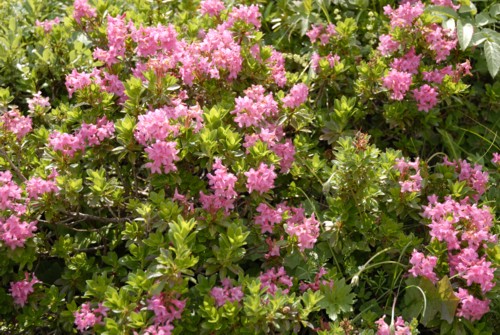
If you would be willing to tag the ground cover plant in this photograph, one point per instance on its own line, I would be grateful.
(249, 167)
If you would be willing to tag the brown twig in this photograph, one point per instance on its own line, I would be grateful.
(13, 166)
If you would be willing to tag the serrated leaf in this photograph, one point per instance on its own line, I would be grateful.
(492, 54)
(465, 32)
(338, 299)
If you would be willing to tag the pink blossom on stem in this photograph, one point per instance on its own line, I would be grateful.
(471, 307)
(268, 217)
(83, 10)
(211, 7)
(397, 82)
(423, 266)
(86, 317)
(262, 179)
(22, 289)
(248, 14)
(222, 184)
(254, 107)
(162, 155)
(14, 232)
(297, 96)
(408, 63)
(276, 64)
(36, 186)
(306, 232)
(38, 100)
(426, 97)
(227, 292)
(47, 25)
(17, 124)
(387, 45)
(405, 14)
(274, 277)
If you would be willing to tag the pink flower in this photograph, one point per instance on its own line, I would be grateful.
(423, 266)
(316, 285)
(262, 179)
(322, 33)
(77, 81)
(222, 183)
(297, 96)
(409, 183)
(10, 192)
(22, 289)
(306, 232)
(254, 107)
(163, 155)
(426, 97)
(17, 124)
(248, 14)
(14, 232)
(396, 328)
(405, 14)
(226, 293)
(166, 310)
(268, 217)
(38, 100)
(211, 7)
(65, 143)
(441, 41)
(47, 25)
(94, 134)
(398, 82)
(276, 64)
(86, 317)
(37, 186)
(445, 3)
(83, 10)
(408, 63)
(437, 76)
(387, 45)
(496, 158)
(471, 307)
(274, 277)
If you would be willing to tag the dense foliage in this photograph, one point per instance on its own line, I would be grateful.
(247, 167)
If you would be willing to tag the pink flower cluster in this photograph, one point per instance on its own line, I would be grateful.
(405, 14)
(398, 328)
(474, 176)
(260, 180)
(47, 25)
(297, 96)
(445, 3)
(315, 286)
(465, 229)
(322, 33)
(248, 14)
(106, 82)
(15, 123)
(274, 277)
(331, 59)
(426, 97)
(276, 64)
(117, 32)
(398, 82)
(307, 232)
(496, 158)
(22, 289)
(254, 107)
(226, 293)
(211, 7)
(409, 182)
(38, 100)
(222, 184)
(88, 135)
(423, 266)
(162, 155)
(387, 45)
(83, 10)
(10, 193)
(36, 187)
(87, 317)
(441, 41)
(165, 310)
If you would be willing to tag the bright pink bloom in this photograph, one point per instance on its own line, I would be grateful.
(297, 96)
(398, 328)
(274, 277)
(276, 64)
(496, 158)
(409, 182)
(441, 41)
(47, 25)
(222, 184)
(14, 232)
(268, 217)
(426, 97)
(86, 317)
(471, 307)
(94, 134)
(445, 3)
(423, 266)
(77, 81)
(254, 107)
(397, 82)
(306, 232)
(163, 155)
(65, 143)
(405, 14)
(22, 289)
(248, 14)
(38, 100)
(316, 285)
(17, 124)
(37, 186)
(387, 45)
(83, 10)
(10, 192)
(437, 76)
(262, 179)
(226, 293)
(166, 310)
(211, 7)
(408, 63)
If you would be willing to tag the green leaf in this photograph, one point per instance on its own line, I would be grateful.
(338, 299)
(483, 19)
(495, 10)
(442, 11)
(492, 53)
(449, 301)
(465, 32)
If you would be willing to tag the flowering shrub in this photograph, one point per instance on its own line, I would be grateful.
(206, 167)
